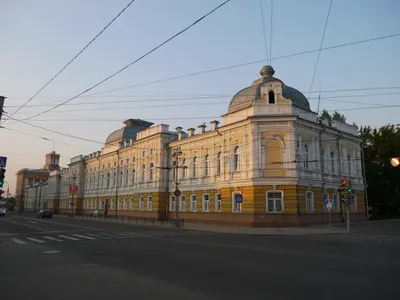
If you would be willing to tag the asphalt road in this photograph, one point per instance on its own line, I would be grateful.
(63, 258)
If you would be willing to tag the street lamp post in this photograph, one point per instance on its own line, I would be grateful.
(176, 154)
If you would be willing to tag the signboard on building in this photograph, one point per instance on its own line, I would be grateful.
(70, 189)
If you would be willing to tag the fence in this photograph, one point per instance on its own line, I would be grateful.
(129, 219)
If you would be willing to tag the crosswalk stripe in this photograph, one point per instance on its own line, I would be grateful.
(18, 241)
(35, 240)
(98, 236)
(112, 235)
(123, 234)
(138, 234)
(52, 238)
(84, 236)
(68, 237)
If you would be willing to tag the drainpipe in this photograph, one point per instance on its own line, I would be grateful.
(167, 152)
(322, 163)
(98, 186)
(340, 174)
(364, 180)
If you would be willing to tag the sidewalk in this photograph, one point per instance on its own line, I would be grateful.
(315, 230)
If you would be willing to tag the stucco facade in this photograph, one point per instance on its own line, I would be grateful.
(271, 148)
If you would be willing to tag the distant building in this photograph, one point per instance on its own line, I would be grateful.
(27, 178)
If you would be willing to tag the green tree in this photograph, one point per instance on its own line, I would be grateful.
(380, 144)
(334, 117)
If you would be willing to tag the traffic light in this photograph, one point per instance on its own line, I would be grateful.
(343, 188)
(2, 171)
(349, 190)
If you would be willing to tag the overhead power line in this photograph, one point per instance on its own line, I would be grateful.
(265, 33)
(135, 61)
(246, 64)
(320, 46)
(75, 57)
(328, 98)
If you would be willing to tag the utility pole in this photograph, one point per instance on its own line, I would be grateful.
(177, 152)
(2, 98)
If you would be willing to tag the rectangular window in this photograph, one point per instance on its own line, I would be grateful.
(193, 203)
(132, 207)
(183, 203)
(218, 207)
(141, 203)
(125, 204)
(149, 203)
(172, 203)
(206, 202)
(275, 201)
(309, 201)
(119, 204)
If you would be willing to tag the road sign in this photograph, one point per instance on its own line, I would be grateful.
(238, 198)
(177, 193)
(328, 203)
(3, 161)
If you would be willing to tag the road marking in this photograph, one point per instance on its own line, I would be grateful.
(33, 222)
(51, 252)
(122, 234)
(35, 240)
(138, 234)
(18, 241)
(52, 238)
(84, 236)
(68, 237)
(43, 232)
(98, 236)
(112, 235)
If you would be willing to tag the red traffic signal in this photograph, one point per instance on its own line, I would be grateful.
(344, 181)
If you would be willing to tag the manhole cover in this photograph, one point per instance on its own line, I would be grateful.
(51, 252)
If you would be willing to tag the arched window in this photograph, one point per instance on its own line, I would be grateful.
(151, 171)
(194, 167)
(306, 156)
(349, 163)
(271, 97)
(219, 163)
(236, 159)
(333, 161)
(143, 172)
(206, 165)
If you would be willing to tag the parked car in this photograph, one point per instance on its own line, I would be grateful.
(45, 213)
(3, 211)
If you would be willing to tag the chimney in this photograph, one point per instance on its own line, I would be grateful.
(214, 124)
(202, 128)
(179, 132)
(191, 131)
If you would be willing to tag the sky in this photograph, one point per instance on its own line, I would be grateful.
(37, 38)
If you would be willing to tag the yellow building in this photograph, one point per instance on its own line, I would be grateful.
(271, 149)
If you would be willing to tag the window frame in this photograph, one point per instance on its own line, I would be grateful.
(282, 202)
(141, 203)
(236, 159)
(310, 206)
(218, 202)
(192, 201)
(149, 203)
(182, 203)
(204, 201)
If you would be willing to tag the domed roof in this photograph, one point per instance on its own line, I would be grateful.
(133, 126)
(247, 96)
